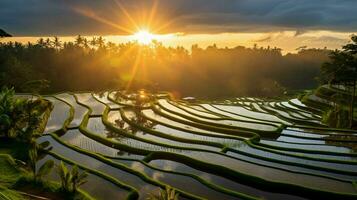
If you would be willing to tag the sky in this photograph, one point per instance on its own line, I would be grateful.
(313, 23)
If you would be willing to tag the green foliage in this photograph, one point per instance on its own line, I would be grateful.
(9, 172)
(45, 169)
(21, 123)
(167, 194)
(77, 178)
(71, 179)
(34, 157)
(65, 176)
(7, 194)
(35, 86)
(21, 118)
(354, 183)
(342, 70)
(53, 189)
(336, 117)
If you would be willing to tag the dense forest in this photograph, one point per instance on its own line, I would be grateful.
(94, 64)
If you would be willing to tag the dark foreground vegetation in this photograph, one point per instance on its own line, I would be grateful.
(340, 73)
(22, 121)
(97, 65)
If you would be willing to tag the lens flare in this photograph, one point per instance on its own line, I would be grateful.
(144, 37)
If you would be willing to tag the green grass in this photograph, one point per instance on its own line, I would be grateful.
(48, 189)
(7, 194)
(8, 176)
(14, 179)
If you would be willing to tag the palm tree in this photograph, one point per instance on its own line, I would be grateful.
(56, 43)
(79, 40)
(93, 42)
(41, 42)
(112, 47)
(100, 42)
(85, 43)
(48, 43)
(7, 112)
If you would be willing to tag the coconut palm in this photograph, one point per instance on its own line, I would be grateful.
(79, 41)
(56, 43)
(101, 42)
(85, 43)
(93, 42)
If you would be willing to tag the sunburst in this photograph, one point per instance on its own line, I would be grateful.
(144, 37)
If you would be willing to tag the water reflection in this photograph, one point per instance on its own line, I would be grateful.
(134, 116)
(342, 141)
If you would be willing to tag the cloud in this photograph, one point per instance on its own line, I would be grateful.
(329, 39)
(265, 39)
(299, 33)
(48, 17)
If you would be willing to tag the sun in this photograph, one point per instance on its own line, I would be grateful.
(144, 37)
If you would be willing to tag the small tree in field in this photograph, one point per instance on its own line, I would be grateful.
(167, 194)
(71, 179)
(342, 70)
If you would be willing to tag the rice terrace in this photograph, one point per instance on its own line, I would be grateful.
(127, 111)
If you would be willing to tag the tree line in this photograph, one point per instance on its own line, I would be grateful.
(341, 70)
(94, 64)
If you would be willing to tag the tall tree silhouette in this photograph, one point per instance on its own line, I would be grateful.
(351, 49)
(342, 70)
(56, 43)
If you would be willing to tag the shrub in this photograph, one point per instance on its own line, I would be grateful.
(21, 119)
(167, 194)
(337, 117)
(71, 179)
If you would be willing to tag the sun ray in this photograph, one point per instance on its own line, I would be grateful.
(165, 25)
(135, 69)
(152, 13)
(92, 15)
(127, 15)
